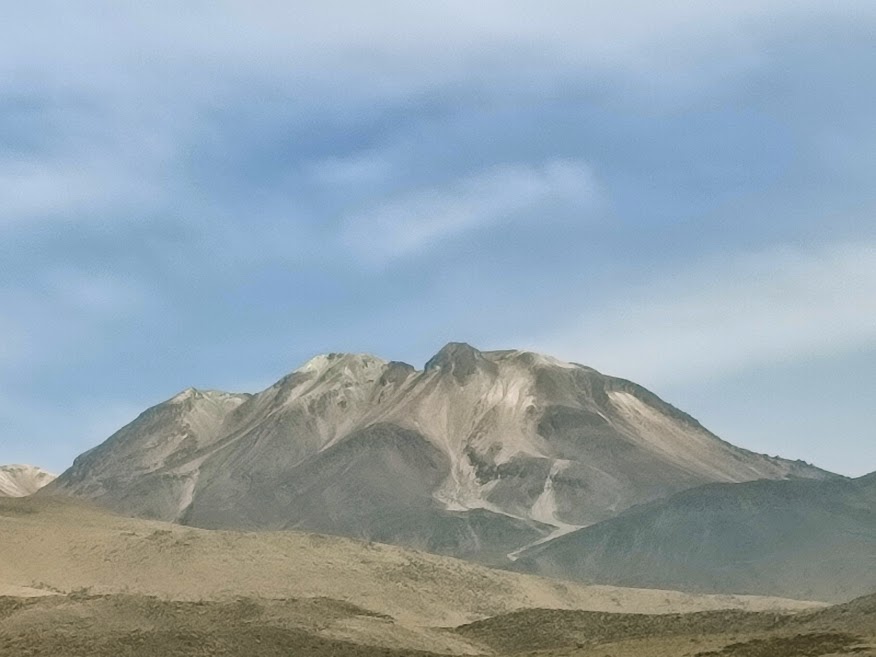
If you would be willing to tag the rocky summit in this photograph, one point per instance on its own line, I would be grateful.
(22, 480)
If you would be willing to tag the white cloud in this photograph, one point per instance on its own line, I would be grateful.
(29, 189)
(46, 317)
(36, 191)
(353, 170)
(730, 315)
(13, 341)
(411, 222)
(80, 162)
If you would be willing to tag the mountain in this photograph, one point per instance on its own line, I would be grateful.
(813, 540)
(22, 480)
(477, 455)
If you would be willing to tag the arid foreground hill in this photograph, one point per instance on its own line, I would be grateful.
(478, 455)
(84, 583)
(61, 545)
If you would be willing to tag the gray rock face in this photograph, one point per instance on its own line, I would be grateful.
(813, 540)
(477, 455)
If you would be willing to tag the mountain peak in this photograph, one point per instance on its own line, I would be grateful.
(347, 361)
(184, 395)
(22, 480)
(460, 359)
(195, 393)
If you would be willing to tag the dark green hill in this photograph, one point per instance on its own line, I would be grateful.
(799, 538)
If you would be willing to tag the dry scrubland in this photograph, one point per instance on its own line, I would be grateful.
(83, 625)
(84, 583)
(60, 545)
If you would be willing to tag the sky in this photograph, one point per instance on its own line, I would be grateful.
(208, 194)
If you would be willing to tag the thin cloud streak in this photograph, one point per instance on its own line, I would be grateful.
(410, 223)
(37, 192)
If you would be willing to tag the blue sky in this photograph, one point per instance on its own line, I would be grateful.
(678, 193)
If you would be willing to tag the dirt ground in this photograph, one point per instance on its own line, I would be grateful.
(79, 582)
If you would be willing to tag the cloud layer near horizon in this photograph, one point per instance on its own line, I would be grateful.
(731, 314)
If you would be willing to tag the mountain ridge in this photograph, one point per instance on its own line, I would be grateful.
(493, 450)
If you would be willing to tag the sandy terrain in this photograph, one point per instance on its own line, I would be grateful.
(64, 546)
(84, 583)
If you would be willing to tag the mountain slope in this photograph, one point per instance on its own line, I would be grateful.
(22, 480)
(477, 455)
(802, 539)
